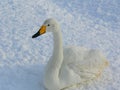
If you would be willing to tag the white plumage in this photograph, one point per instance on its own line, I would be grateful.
(70, 66)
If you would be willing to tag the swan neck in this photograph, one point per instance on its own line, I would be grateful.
(54, 64)
(58, 49)
(57, 57)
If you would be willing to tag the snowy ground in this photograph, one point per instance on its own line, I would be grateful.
(88, 23)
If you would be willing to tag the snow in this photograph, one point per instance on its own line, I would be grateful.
(88, 23)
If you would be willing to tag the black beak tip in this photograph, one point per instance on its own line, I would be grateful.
(36, 35)
(33, 36)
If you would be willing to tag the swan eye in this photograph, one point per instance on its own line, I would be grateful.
(48, 24)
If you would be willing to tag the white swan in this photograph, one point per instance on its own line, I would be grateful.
(72, 65)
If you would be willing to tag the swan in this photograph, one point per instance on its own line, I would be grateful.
(69, 66)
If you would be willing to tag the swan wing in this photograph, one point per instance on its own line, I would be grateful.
(87, 63)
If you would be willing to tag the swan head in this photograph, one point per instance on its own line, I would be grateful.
(50, 25)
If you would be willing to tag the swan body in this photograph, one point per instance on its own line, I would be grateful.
(69, 66)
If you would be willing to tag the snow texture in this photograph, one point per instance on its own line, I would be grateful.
(88, 23)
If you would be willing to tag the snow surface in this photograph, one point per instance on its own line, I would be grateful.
(88, 23)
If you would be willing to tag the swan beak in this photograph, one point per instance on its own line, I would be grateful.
(41, 31)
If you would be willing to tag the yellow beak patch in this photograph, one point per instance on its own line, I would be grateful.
(42, 30)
